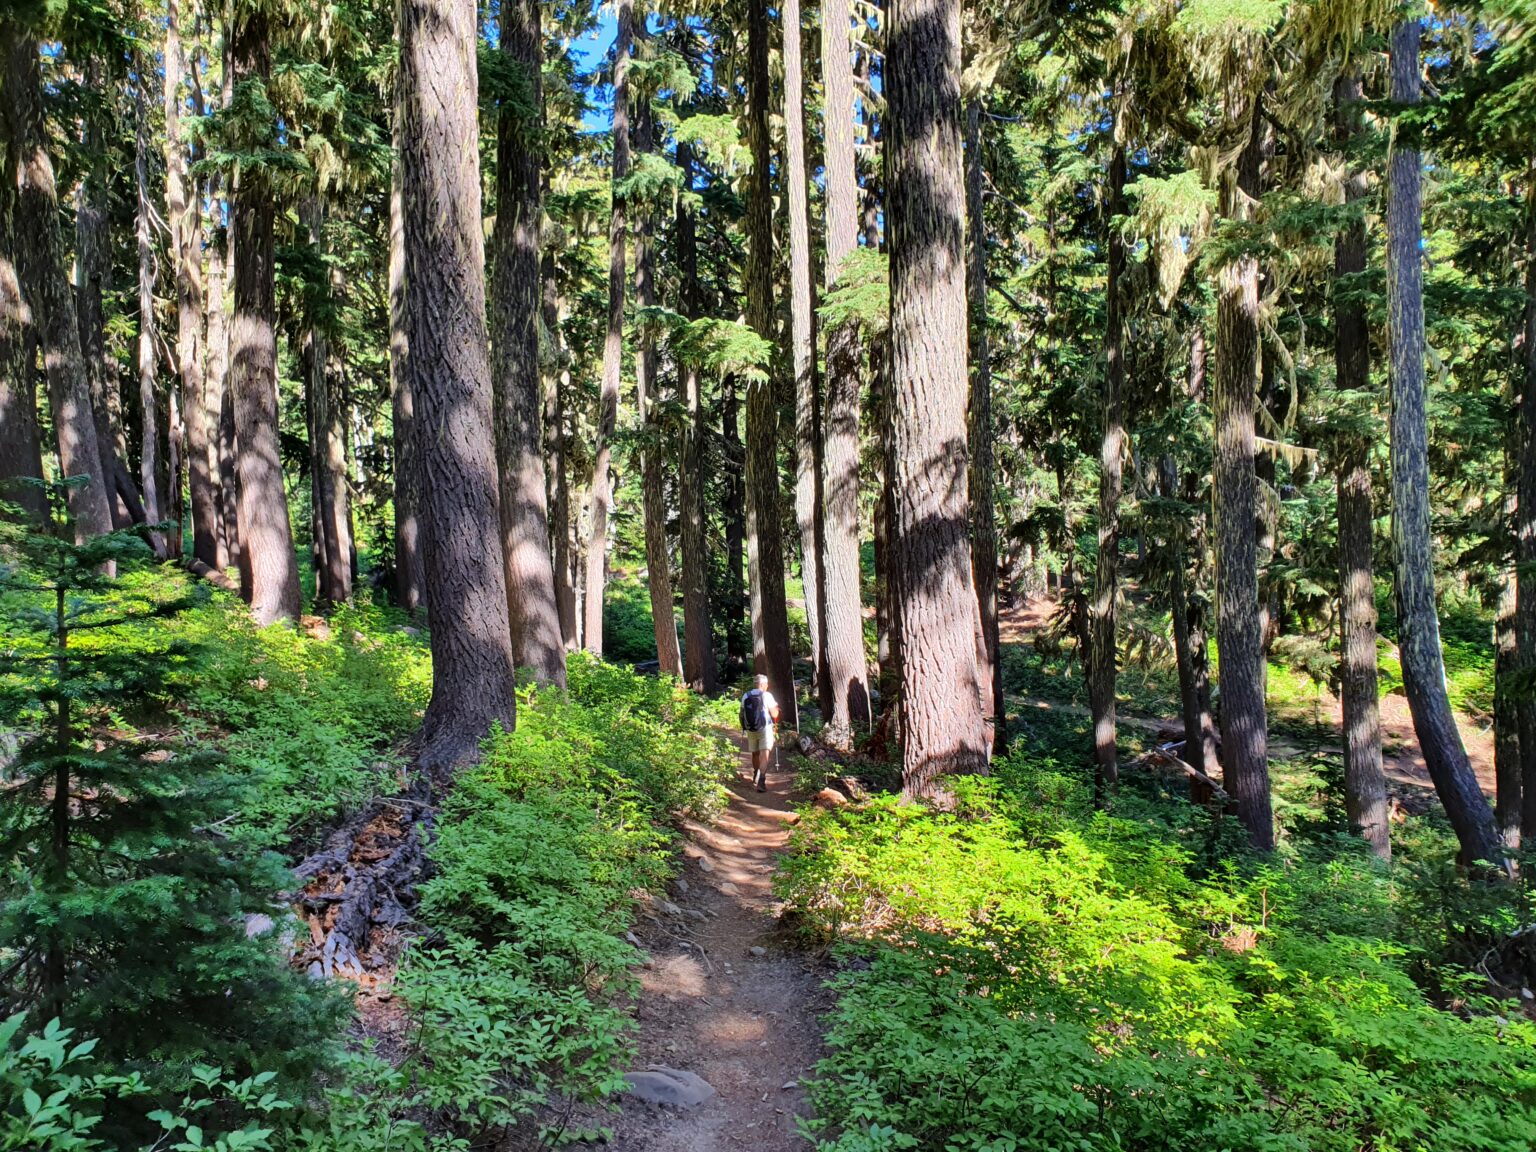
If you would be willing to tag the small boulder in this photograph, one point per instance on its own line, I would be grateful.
(729, 889)
(669, 1086)
(758, 950)
(831, 798)
(680, 887)
(704, 864)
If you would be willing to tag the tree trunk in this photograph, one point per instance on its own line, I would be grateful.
(1525, 526)
(410, 585)
(514, 321)
(1509, 785)
(149, 465)
(809, 494)
(185, 220)
(1239, 640)
(21, 455)
(1418, 622)
(847, 671)
(698, 634)
(979, 428)
(330, 521)
(473, 673)
(218, 407)
(45, 288)
(613, 345)
(944, 726)
(652, 481)
(1189, 639)
(738, 630)
(556, 450)
(269, 572)
(1103, 649)
(765, 539)
(1365, 785)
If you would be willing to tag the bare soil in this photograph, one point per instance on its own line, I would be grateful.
(748, 1024)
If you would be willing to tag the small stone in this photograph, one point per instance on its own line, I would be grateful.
(790, 1087)
(758, 950)
(680, 887)
(668, 908)
(695, 915)
(729, 889)
(662, 1085)
(632, 938)
(704, 864)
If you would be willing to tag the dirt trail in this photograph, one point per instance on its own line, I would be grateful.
(747, 1024)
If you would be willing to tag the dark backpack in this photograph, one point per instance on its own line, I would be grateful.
(754, 717)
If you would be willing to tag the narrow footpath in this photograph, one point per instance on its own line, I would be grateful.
(725, 996)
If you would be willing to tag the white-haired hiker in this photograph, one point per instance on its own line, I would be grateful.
(759, 714)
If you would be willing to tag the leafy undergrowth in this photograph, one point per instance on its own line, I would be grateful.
(1039, 975)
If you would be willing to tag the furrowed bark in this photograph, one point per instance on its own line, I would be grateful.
(21, 456)
(473, 672)
(944, 728)
(1418, 619)
(613, 345)
(410, 581)
(765, 538)
(847, 671)
(556, 451)
(532, 610)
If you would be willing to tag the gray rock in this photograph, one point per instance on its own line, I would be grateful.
(669, 1086)
(632, 938)
(729, 889)
(680, 887)
(704, 864)
(695, 914)
(758, 950)
(666, 907)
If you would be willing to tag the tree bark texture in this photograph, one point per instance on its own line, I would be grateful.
(557, 452)
(1418, 621)
(698, 634)
(1525, 525)
(847, 671)
(1508, 785)
(222, 454)
(1188, 620)
(1103, 648)
(738, 629)
(21, 455)
(534, 614)
(473, 672)
(613, 344)
(410, 586)
(330, 520)
(269, 572)
(765, 538)
(979, 426)
(1365, 784)
(148, 335)
(809, 502)
(45, 287)
(1239, 639)
(943, 723)
(658, 563)
(186, 244)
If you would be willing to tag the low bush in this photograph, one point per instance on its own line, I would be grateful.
(1041, 975)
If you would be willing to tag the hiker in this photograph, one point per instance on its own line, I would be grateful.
(759, 714)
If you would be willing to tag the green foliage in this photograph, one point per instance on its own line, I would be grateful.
(861, 294)
(125, 908)
(521, 990)
(1042, 975)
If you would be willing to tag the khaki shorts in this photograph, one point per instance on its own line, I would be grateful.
(760, 740)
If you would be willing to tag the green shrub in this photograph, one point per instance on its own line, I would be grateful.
(1042, 975)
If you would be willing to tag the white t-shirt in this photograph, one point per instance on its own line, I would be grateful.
(770, 705)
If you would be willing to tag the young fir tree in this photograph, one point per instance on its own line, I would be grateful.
(126, 912)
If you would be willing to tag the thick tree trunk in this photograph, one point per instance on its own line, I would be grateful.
(557, 452)
(698, 633)
(765, 539)
(269, 572)
(185, 221)
(1103, 650)
(979, 427)
(613, 344)
(847, 671)
(944, 726)
(1365, 785)
(410, 582)
(473, 673)
(1525, 527)
(21, 455)
(809, 496)
(1239, 639)
(45, 287)
(514, 321)
(738, 631)
(1418, 621)
(148, 336)
(658, 562)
